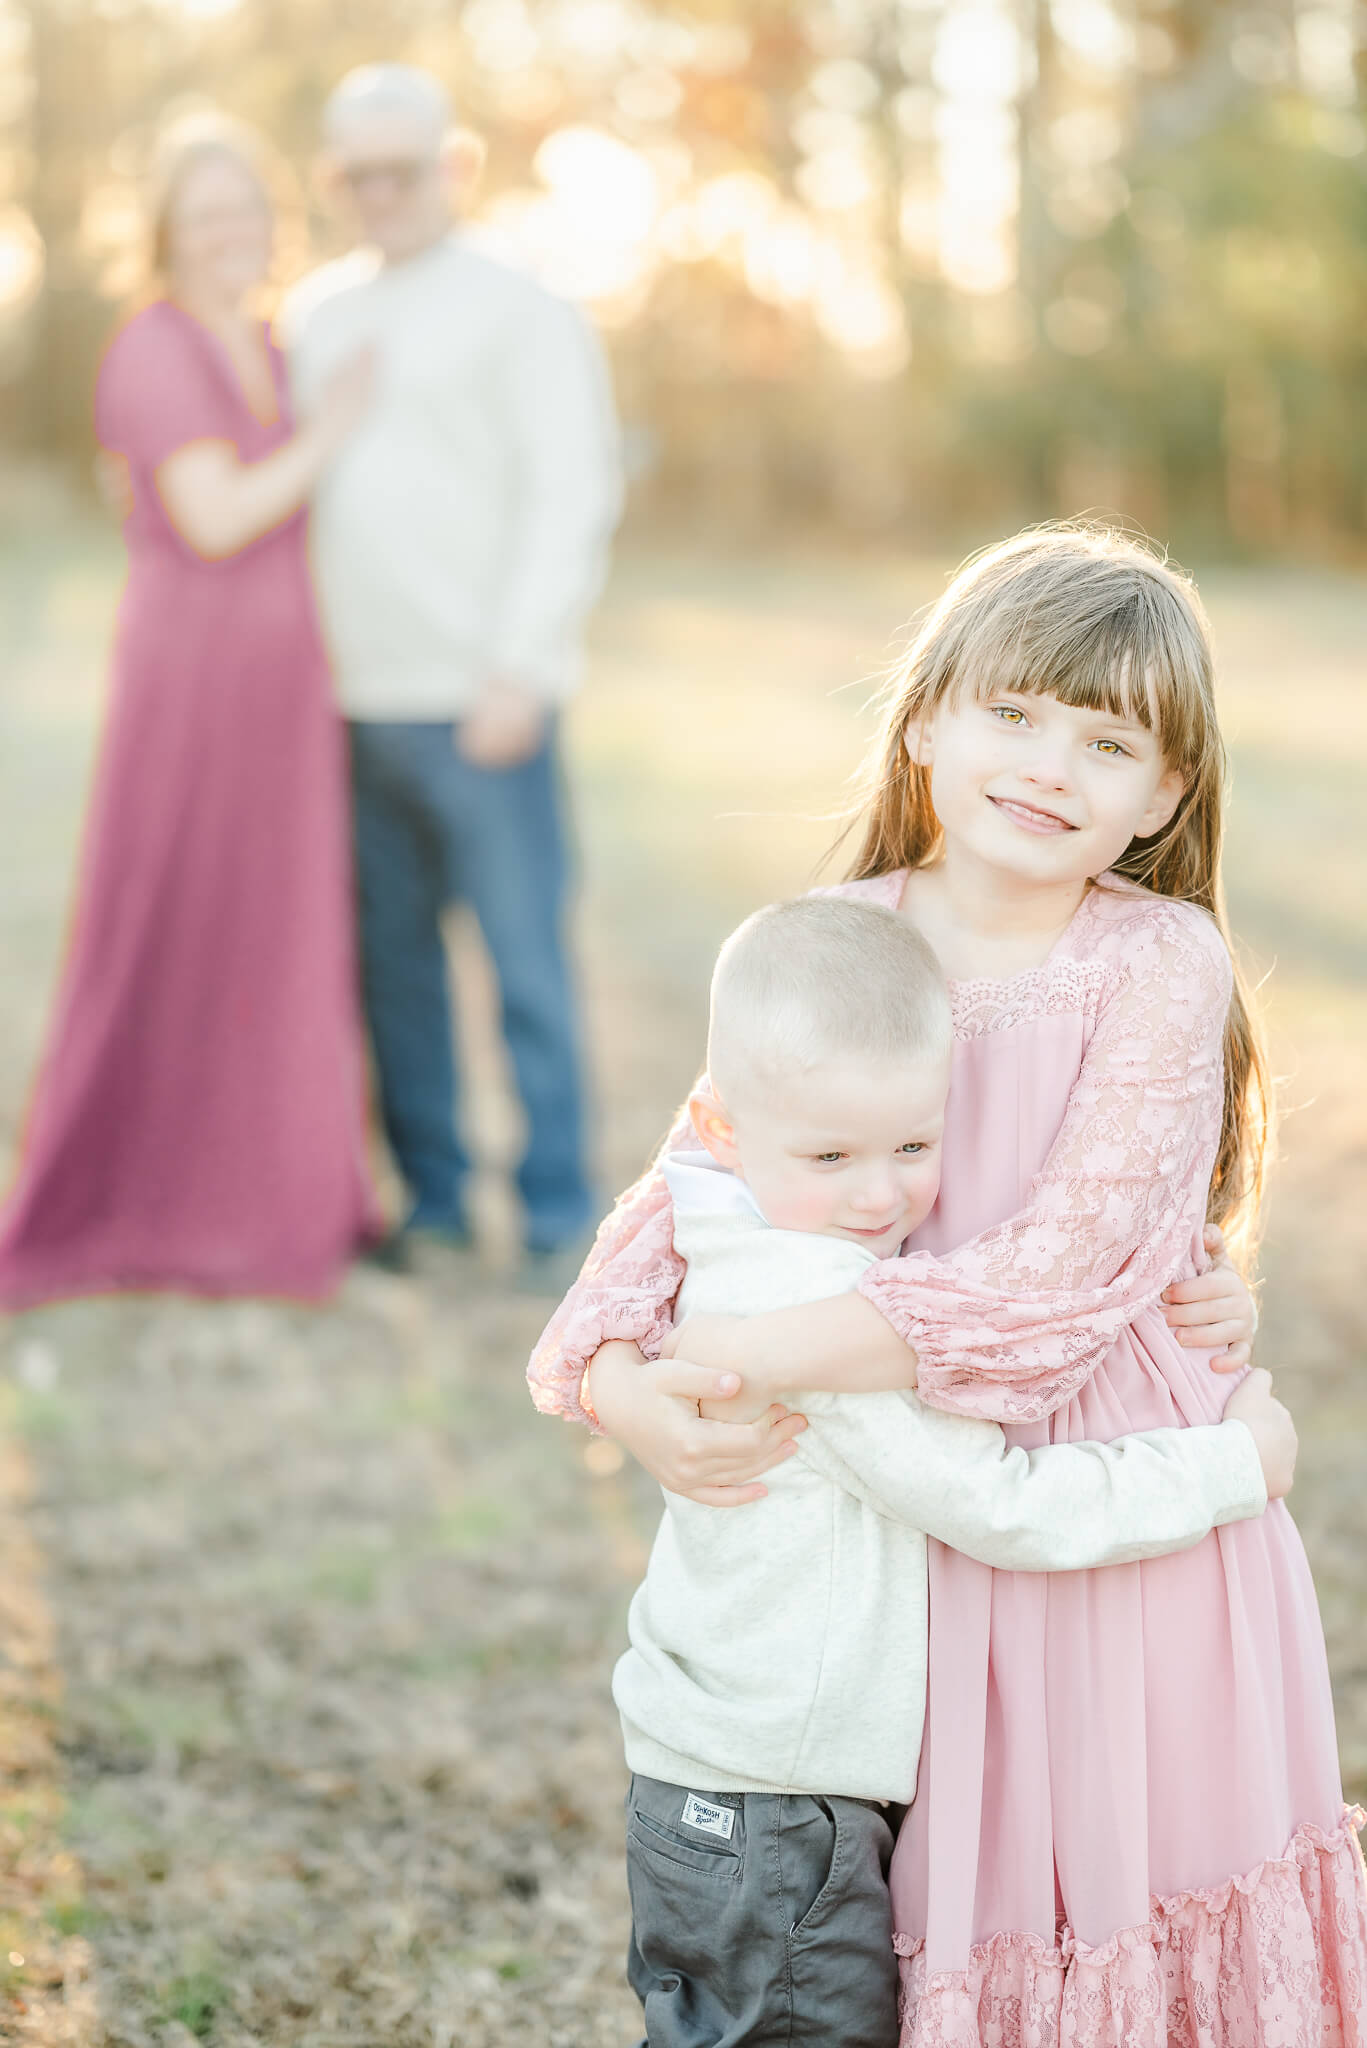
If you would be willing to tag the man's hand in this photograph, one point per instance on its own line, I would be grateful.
(1254, 1404)
(503, 729)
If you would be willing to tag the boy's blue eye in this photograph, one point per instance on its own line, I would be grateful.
(915, 1146)
(828, 1158)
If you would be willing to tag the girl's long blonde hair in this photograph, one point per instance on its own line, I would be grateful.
(1096, 619)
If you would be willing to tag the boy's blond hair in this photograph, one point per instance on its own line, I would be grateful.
(818, 978)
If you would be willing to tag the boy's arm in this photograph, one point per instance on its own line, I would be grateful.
(1064, 1507)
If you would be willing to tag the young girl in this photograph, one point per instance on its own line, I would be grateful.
(1129, 1830)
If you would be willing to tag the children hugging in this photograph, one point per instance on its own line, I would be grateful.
(1001, 1715)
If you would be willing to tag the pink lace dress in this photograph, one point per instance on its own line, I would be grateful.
(1129, 1830)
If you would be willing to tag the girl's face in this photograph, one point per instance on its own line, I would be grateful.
(219, 239)
(1045, 791)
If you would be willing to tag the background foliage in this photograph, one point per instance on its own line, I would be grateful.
(926, 265)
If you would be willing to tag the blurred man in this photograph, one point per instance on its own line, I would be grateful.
(458, 545)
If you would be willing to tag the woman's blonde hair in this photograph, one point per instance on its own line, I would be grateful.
(204, 136)
(1093, 618)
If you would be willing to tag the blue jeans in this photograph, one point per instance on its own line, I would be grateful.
(431, 829)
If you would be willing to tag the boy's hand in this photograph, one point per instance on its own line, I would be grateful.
(1254, 1404)
(1215, 1309)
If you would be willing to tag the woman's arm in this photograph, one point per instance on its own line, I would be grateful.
(1009, 1325)
(218, 504)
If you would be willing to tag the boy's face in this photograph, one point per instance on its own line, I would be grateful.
(851, 1149)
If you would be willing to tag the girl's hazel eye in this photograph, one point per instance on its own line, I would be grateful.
(1010, 714)
(1114, 749)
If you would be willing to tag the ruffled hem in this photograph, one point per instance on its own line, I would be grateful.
(1273, 1959)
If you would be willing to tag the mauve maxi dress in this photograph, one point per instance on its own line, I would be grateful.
(1128, 1830)
(198, 1117)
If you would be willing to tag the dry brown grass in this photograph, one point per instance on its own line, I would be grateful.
(308, 1619)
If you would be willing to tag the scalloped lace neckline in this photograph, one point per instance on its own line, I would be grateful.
(1059, 982)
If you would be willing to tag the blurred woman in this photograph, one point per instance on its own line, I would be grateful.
(198, 1118)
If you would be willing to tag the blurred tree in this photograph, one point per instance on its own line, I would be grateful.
(918, 264)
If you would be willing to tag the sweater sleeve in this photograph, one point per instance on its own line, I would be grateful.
(1011, 1324)
(1063, 1507)
(625, 1290)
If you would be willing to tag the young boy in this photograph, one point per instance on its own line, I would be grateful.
(773, 1694)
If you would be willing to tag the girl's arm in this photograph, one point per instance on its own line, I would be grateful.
(616, 1316)
(1012, 1323)
(625, 1292)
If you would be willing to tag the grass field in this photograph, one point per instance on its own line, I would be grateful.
(306, 1619)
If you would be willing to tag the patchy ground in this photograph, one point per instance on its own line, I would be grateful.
(307, 1620)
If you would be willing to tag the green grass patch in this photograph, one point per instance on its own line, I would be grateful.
(472, 1527)
(196, 2000)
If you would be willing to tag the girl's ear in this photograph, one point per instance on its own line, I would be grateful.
(1166, 798)
(716, 1132)
(916, 739)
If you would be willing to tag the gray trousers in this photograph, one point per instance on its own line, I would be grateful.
(760, 1918)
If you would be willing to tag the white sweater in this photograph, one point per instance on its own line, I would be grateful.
(781, 1647)
(461, 533)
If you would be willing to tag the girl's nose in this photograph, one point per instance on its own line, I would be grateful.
(1048, 769)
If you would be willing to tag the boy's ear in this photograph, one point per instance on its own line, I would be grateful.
(716, 1132)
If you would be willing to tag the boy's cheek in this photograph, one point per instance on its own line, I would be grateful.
(926, 1196)
(790, 1207)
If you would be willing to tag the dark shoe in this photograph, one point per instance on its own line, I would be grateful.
(440, 1254)
(387, 1254)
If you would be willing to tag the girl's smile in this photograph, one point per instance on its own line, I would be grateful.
(1031, 817)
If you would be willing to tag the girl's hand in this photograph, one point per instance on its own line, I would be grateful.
(652, 1411)
(1214, 1310)
(718, 1342)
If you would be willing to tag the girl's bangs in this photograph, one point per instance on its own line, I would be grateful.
(1137, 660)
(1107, 667)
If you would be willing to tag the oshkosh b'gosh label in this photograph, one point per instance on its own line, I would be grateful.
(709, 1819)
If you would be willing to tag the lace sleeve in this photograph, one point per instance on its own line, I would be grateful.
(1011, 1324)
(626, 1289)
